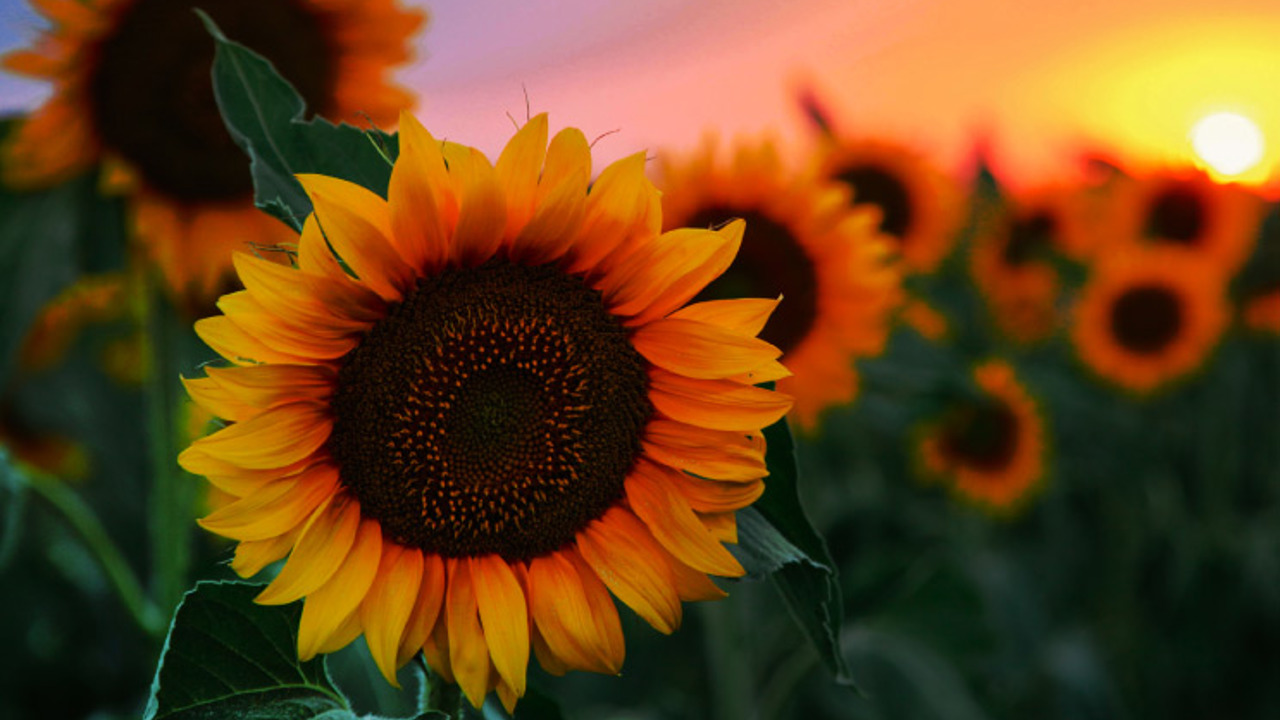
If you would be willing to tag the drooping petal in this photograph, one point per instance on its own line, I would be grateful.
(389, 604)
(328, 607)
(622, 552)
(673, 523)
(321, 549)
(504, 614)
(468, 651)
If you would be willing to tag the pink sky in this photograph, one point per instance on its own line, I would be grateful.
(1037, 76)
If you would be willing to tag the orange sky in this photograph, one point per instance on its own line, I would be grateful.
(1037, 76)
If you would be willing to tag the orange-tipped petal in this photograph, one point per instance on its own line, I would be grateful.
(426, 609)
(746, 316)
(420, 208)
(563, 615)
(715, 404)
(517, 170)
(357, 224)
(320, 551)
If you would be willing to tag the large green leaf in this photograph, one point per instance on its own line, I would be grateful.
(267, 118)
(776, 539)
(229, 657)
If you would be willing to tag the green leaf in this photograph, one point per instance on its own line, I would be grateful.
(267, 118)
(776, 539)
(229, 657)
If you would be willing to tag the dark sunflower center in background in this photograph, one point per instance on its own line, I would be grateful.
(1146, 319)
(1177, 214)
(496, 410)
(875, 185)
(982, 436)
(151, 93)
(1030, 237)
(770, 263)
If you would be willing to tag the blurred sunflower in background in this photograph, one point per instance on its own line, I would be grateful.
(802, 243)
(1012, 262)
(511, 413)
(1185, 209)
(1149, 316)
(132, 90)
(988, 447)
(920, 207)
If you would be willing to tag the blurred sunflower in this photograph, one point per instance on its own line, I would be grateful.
(1149, 316)
(1010, 262)
(40, 450)
(803, 243)
(132, 89)
(1185, 209)
(511, 413)
(924, 319)
(990, 447)
(919, 207)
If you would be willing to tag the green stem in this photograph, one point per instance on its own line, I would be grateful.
(171, 501)
(439, 694)
(728, 664)
(95, 537)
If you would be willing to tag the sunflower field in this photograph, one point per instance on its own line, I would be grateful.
(308, 412)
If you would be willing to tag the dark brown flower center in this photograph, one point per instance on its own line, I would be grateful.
(496, 410)
(1177, 215)
(1145, 319)
(1030, 237)
(151, 92)
(875, 185)
(770, 263)
(982, 436)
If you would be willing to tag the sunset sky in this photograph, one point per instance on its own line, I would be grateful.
(1042, 81)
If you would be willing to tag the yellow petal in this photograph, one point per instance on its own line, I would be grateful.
(468, 653)
(272, 439)
(678, 271)
(622, 552)
(568, 156)
(623, 208)
(289, 294)
(213, 397)
(268, 386)
(321, 549)
(254, 555)
(504, 614)
(231, 342)
(673, 523)
(563, 615)
(551, 230)
(387, 607)
(426, 608)
(746, 316)
(517, 170)
(420, 224)
(482, 212)
(276, 508)
(715, 404)
(698, 350)
(328, 607)
(357, 224)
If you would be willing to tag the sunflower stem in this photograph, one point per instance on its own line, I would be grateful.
(728, 662)
(439, 694)
(171, 500)
(86, 524)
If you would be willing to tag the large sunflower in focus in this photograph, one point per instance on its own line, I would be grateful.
(1010, 262)
(1147, 317)
(803, 244)
(989, 447)
(1185, 209)
(475, 409)
(919, 207)
(132, 89)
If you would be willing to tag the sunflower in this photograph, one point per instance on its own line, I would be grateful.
(132, 89)
(989, 447)
(803, 243)
(919, 207)
(1009, 260)
(511, 413)
(1148, 316)
(1185, 209)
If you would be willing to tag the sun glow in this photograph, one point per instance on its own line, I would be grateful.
(1229, 143)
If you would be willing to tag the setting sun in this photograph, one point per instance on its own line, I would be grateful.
(1229, 143)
